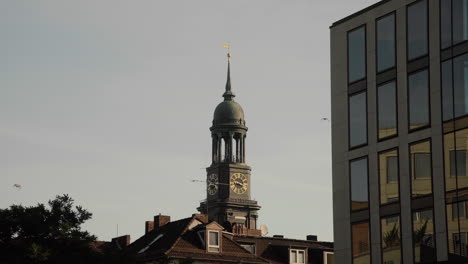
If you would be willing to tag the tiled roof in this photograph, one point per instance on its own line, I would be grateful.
(170, 233)
(176, 240)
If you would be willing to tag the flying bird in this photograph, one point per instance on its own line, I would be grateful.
(18, 186)
(325, 119)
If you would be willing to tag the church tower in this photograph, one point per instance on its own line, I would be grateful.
(228, 177)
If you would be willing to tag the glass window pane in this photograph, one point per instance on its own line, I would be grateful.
(421, 172)
(358, 119)
(294, 256)
(460, 87)
(357, 54)
(418, 92)
(214, 239)
(423, 237)
(386, 43)
(388, 173)
(445, 23)
(453, 231)
(449, 147)
(360, 242)
(460, 20)
(359, 191)
(391, 240)
(447, 90)
(461, 143)
(417, 29)
(300, 257)
(457, 163)
(387, 109)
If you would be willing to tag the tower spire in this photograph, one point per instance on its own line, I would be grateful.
(228, 94)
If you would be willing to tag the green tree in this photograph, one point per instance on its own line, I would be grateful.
(46, 234)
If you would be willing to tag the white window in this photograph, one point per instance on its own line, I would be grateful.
(328, 258)
(297, 256)
(213, 241)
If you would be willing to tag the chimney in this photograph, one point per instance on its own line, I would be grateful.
(278, 236)
(312, 237)
(161, 220)
(149, 226)
(202, 217)
(121, 242)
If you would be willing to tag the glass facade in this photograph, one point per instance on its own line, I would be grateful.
(388, 174)
(387, 110)
(423, 236)
(421, 169)
(455, 87)
(386, 42)
(391, 240)
(357, 54)
(454, 22)
(457, 228)
(417, 30)
(359, 179)
(455, 160)
(361, 243)
(418, 99)
(358, 119)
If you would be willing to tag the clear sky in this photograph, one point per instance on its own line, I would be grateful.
(111, 102)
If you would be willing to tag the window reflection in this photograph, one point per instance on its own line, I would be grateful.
(455, 87)
(421, 168)
(360, 243)
(460, 20)
(391, 240)
(418, 93)
(359, 190)
(358, 119)
(423, 237)
(387, 110)
(457, 228)
(386, 42)
(417, 29)
(456, 159)
(357, 54)
(445, 23)
(388, 173)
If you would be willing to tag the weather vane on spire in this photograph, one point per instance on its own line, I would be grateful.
(228, 95)
(228, 46)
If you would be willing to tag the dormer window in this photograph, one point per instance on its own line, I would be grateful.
(213, 241)
(297, 256)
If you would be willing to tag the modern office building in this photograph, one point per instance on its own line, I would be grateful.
(399, 92)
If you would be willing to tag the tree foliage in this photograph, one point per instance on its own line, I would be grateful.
(46, 234)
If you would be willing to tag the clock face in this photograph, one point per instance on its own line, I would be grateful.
(239, 183)
(212, 184)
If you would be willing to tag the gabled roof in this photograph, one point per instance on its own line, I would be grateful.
(158, 241)
(180, 239)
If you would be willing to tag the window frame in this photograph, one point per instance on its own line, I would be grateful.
(398, 176)
(209, 245)
(395, 43)
(369, 238)
(366, 157)
(349, 120)
(365, 54)
(411, 168)
(291, 250)
(410, 130)
(433, 228)
(381, 236)
(408, 60)
(379, 139)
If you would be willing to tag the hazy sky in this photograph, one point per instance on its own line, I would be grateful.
(111, 102)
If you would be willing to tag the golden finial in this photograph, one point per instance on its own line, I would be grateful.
(228, 46)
